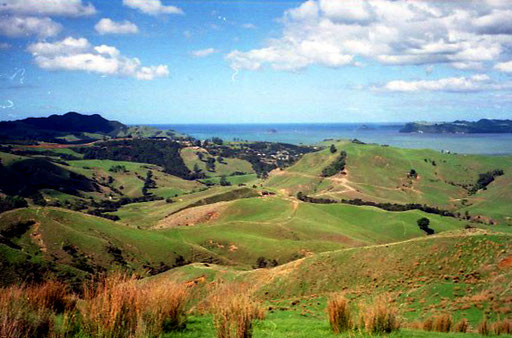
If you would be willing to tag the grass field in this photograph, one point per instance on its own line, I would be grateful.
(227, 167)
(380, 174)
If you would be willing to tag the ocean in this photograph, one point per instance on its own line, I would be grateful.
(308, 134)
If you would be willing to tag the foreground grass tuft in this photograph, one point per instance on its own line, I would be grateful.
(379, 318)
(340, 316)
(118, 307)
(234, 312)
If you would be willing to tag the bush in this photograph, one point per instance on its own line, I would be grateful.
(234, 312)
(379, 318)
(462, 326)
(339, 313)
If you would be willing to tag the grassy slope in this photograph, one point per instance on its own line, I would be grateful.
(92, 236)
(379, 174)
(460, 273)
(167, 185)
(229, 165)
(284, 229)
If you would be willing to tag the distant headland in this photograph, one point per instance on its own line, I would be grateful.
(483, 126)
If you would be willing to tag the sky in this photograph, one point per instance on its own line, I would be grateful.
(265, 61)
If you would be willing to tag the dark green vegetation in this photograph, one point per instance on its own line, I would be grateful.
(162, 153)
(72, 128)
(292, 224)
(481, 126)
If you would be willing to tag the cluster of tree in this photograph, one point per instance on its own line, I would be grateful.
(424, 223)
(163, 153)
(149, 183)
(401, 207)
(217, 140)
(118, 168)
(210, 164)
(335, 167)
(27, 177)
(28, 152)
(54, 127)
(112, 206)
(263, 156)
(263, 262)
(385, 206)
(333, 149)
(317, 200)
(485, 179)
(223, 181)
(12, 202)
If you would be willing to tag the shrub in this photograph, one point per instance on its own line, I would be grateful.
(118, 307)
(442, 323)
(462, 326)
(379, 318)
(234, 312)
(339, 313)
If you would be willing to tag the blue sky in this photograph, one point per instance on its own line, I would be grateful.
(152, 61)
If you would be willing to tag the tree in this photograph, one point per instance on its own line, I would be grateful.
(413, 173)
(210, 164)
(200, 155)
(220, 159)
(217, 141)
(333, 149)
(424, 223)
(197, 170)
(223, 181)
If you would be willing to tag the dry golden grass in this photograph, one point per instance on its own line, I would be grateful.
(21, 315)
(234, 311)
(428, 324)
(502, 327)
(483, 328)
(462, 326)
(442, 323)
(339, 313)
(379, 317)
(119, 307)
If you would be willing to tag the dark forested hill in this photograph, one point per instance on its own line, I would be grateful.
(59, 128)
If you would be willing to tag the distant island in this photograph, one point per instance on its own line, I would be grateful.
(483, 126)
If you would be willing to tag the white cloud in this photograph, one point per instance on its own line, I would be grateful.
(4, 45)
(152, 7)
(505, 67)
(47, 7)
(107, 26)
(14, 27)
(249, 26)
(474, 83)
(73, 54)
(203, 52)
(333, 33)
